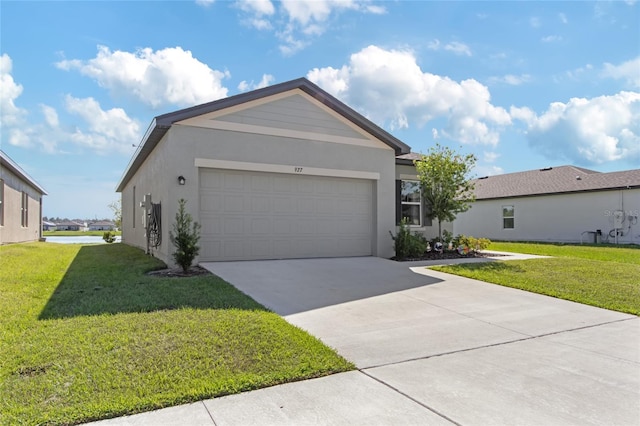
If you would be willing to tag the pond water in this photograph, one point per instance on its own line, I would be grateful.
(85, 239)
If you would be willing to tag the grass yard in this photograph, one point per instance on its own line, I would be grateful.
(607, 277)
(86, 334)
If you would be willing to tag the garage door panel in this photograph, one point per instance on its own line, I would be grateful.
(233, 203)
(255, 215)
(260, 225)
(233, 225)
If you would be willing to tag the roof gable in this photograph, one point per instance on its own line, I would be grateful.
(161, 124)
(553, 180)
(9, 164)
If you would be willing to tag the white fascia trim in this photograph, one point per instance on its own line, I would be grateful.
(284, 168)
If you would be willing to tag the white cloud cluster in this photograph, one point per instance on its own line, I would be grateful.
(106, 131)
(587, 131)
(389, 87)
(455, 46)
(167, 76)
(265, 81)
(10, 114)
(296, 22)
(511, 80)
(628, 71)
(103, 132)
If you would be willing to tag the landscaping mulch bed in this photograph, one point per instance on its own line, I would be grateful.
(194, 271)
(447, 254)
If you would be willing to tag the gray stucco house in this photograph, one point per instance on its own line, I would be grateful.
(286, 171)
(20, 204)
(563, 204)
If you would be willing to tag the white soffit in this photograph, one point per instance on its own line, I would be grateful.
(284, 168)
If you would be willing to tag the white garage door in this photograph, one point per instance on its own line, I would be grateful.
(256, 215)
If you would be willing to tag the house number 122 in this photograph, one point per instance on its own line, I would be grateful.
(298, 169)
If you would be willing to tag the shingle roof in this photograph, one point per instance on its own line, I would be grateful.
(9, 164)
(554, 180)
(162, 123)
(409, 158)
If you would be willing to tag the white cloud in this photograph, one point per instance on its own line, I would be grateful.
(534, 22)
(259, 12)
(490, 156)
(266, 80)
(563, 18)
(628, 71)
(50, 116)
(587, 131)
(296, 22)
(108, 131)
(168, 76)
(10, 114)
(512, 80)
(205, 3)
(389, 87)
(480, 170)
(551, 39)
(454, 46)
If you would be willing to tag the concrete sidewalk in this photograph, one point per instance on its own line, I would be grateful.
(431, 348)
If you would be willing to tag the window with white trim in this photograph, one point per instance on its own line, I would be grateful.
(25, 210)
(411, 202)
(508, 217)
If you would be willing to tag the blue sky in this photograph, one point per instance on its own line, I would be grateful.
(522, 85)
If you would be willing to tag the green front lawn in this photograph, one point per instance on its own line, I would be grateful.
(86, 334)
(606, 277)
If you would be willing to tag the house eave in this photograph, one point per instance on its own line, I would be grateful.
(10, 165)
(545, 194)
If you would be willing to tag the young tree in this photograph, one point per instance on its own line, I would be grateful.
(446, 186)
(116, 208)
(185, 237)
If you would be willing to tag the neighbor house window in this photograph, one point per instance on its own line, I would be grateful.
(411, 202)
(508, 217)
(1, 202)
(25, 210)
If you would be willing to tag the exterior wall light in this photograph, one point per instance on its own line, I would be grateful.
(181, 180)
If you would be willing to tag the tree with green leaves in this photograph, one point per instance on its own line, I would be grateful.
(445, 183)
(185, 237)
(116, 208)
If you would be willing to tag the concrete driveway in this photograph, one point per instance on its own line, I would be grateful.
(432, 348)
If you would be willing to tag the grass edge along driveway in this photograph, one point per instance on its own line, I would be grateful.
(86, 335)
(602, 276)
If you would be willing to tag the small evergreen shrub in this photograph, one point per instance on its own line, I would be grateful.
(185, 237)
(109, 237)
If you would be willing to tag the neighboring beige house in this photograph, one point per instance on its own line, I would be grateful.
(48, 226)
(286, 171)
(102, 225)
(563, 204)
(20, 204)
(69, 225)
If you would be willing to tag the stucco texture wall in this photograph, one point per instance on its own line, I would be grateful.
(175, 156)
(558, 218)
(12, 230)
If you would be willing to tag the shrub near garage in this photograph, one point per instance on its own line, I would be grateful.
(407, 245)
